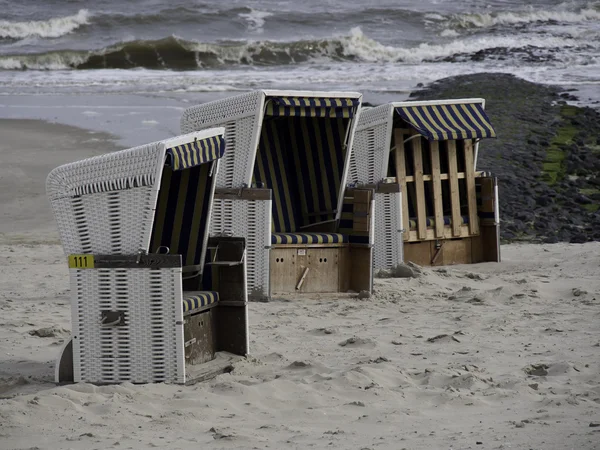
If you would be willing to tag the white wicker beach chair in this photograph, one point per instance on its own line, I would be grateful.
(146, 303)
(283, 188)
(446, 212)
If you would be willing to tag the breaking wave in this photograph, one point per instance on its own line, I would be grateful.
(488, 20)
(178, 54)
(51, 28)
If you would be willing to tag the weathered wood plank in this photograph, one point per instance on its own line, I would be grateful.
(437, 189)
(419, 187)
(470, 182)
(413, 235)
(454, 193)
(443, 176)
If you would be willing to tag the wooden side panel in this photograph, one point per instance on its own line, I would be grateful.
(284, 269)
(231, 250)
(362, 210)
(419, 187)
(489, 230)
(470, 182)
(361, 275)
(345, 267)
(199, 337)
(454, 196)
(476, 249)
(488, 205)
(437, 189)
(456, 251)
(418, 252)
(323, 270)
(490, 243)
(230, 315)
(399, 136)
(452, 251)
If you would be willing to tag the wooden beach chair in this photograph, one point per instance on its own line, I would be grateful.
(283, 188)
(444, 210)
(134, 227)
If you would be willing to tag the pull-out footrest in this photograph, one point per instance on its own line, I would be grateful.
(199, 326)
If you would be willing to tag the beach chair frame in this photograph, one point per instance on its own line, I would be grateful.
(143, 312)
(425, 240)
(242, 208)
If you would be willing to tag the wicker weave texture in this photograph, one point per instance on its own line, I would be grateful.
(241, 116)
(388, 249)
(250, 219)
(104, 223)
(372, 141)
(94, 199)
(372, 117)
(149, 347)
(111, 171)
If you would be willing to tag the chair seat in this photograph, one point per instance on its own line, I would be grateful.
(194, 301)
(308, 238)
(431, 222)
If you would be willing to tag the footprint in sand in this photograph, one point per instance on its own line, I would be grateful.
(357, 342)
(554, 369)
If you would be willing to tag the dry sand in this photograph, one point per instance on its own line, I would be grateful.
(485, 356)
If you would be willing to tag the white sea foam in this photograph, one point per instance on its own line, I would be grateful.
(449, 33)
(366, 49)
(487, 20)
(355, 46)
(50, 61)
(255, 19)
(51, 28)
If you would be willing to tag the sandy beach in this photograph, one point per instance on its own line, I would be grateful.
(486, 356)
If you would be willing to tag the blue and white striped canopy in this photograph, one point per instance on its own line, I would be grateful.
(449, 122)
(197, 152)
(312, 107)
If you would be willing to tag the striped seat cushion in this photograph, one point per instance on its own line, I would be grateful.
(308, 238)
(193, 301)
(431, 222)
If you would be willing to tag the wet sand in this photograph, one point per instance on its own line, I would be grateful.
(29, 150)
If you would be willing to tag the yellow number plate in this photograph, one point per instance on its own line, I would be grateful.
(81, 261)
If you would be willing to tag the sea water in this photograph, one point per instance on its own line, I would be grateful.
(196, 51)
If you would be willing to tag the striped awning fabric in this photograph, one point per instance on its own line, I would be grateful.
(302, 161)
(449, 122)
(311, 107)
(195, 153)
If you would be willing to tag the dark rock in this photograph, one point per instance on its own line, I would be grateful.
(544, 200)
(528, 122)
(578, 239)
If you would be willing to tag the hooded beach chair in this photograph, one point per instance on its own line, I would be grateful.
(134, 227)
(438, 209)
(283, 187)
